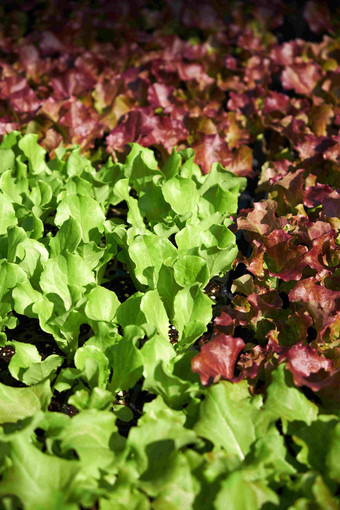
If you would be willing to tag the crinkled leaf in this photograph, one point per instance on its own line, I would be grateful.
(154, 311)
(149, 252)
(38, 478)
(172, 165)
(220, 200)
(19, 403)
(89, 433)
(155, 349)
(181, 193)
(7, 214)
(93, 364)
(101, 304)
(142, 171)
(7, 160)
(127, 360)
(227, 419)
(191, 269)
(152, 205)
(67, 238)
(211, 149)
(217, 358)
(168, 479)
(315, 440)
(160, 376)
(46, 368)
(319, 301)
(285, 401)
(125, 498)
(34, 153)
(11, 275)
(86, 211)
(242, 492)
(25, 355)
(65, 278)
(130, 313)
(191, 304)
(159, 423)
(98, 398)
(306, 365)
(24, 296)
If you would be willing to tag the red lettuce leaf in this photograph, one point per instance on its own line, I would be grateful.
(241, 162)
(136, 125)
(217, 358)
(308, 367)
(290, 190)
(324, 256)
(286, 53)
(315, 195)
(283, 258)
(302, 77)
(332, 153)
(275, 102)
(17, 92)
(210, 149)
(331, 205)
(82, 123)
(7, 125)
(317, 16)
(321, 303)
(261, 220)
(142, 126)
(158, 95)
(72, 83)
(307, 231)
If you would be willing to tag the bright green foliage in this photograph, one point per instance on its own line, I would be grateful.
(227, 419)
(192, 447)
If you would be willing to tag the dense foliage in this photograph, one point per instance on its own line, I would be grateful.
(162, 346)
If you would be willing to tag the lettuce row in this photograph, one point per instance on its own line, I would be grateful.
(57, 278)
(56, 243)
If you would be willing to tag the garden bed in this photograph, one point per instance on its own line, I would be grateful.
(169, 256)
